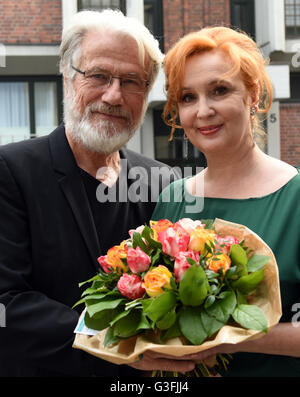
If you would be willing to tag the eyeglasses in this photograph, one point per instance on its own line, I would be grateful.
(103, 78)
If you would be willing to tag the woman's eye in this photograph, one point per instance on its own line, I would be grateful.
(222, 90)
(186, 98)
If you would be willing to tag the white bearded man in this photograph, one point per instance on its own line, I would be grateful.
(52, 227)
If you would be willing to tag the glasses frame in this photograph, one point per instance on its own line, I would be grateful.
(114, 77)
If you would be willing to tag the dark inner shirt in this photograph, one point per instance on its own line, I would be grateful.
(113, 219)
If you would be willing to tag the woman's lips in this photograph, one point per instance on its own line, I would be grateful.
(209, 129)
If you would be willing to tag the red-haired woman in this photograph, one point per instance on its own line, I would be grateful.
(216, 86)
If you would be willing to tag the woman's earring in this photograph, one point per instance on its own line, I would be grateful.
(252, 111)
(186, 146)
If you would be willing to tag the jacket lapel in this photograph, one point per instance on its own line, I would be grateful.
(70, 181)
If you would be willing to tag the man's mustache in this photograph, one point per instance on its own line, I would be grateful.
(108, 109)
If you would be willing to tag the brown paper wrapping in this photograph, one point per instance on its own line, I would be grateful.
(267, 297)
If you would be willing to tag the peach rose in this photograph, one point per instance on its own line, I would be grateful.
(156, 279)
(219, 261)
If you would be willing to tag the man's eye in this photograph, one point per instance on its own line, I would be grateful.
(131, 82)
(100, 77)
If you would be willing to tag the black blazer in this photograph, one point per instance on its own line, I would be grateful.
(48, 244)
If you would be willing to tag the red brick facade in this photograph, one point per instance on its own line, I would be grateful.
(184, 16)
(30, 22)
(290, 132)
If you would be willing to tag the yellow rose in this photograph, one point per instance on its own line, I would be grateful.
(156, 279)
(217, 262)
(199, 237)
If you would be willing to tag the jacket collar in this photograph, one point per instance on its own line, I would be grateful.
(70, 181)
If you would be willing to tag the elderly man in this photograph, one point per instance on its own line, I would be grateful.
(53, 224)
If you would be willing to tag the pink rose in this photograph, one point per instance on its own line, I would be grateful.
(131, 286)
(189, 224)
(138, 230)
(103, 263)
(137, 260)
(226, 242)
(181, 264)
(174, 239)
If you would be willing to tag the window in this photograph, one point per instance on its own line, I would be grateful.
(153, 19)
(174, 153)
(242, 15)
(29, 107)
(292, 18)
(101, 4)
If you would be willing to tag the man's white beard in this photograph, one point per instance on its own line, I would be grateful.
(103, 137)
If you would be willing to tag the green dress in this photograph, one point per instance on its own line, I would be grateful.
(276, 219)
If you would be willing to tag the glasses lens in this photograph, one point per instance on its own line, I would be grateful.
(133, 84)
(99, 78)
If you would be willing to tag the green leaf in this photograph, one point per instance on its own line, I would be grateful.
(173, 332)
(123, 313)
(127, 326)
(168, 320)
(247, 284)
(241, 300)
(137, 241)
(209, 301)
(104, 304)
(191, 325)
(110, 339)
(251, 317)
(90, 280)
(193, 286)
(102, 320)
(144, 323)
(208, 223)
(146, 233)
(160, 305)
(210, 323)
(155, 257)
(239, 259)
(257, 262)
(223, 307)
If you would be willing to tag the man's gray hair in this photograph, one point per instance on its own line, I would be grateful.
(107, 21)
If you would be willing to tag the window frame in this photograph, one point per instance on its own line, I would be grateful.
(296, 28)
(100, 7)
(31, 80)
(250, 4)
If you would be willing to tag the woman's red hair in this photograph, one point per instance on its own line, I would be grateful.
(241, 49)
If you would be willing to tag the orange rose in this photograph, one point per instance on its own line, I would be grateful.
(217, 262)
(115, 255)
(156, 279)
(160, 226)
(199, 237)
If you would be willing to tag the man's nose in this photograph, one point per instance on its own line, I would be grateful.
(113, 94)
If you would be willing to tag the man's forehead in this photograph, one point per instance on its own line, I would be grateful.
(100, 47)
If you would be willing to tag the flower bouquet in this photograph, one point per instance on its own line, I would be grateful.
(180, 288)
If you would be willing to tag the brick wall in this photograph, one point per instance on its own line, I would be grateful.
(290, 132)
(30, 21)
(183, 16)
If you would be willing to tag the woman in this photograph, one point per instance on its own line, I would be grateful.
(216, 86)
